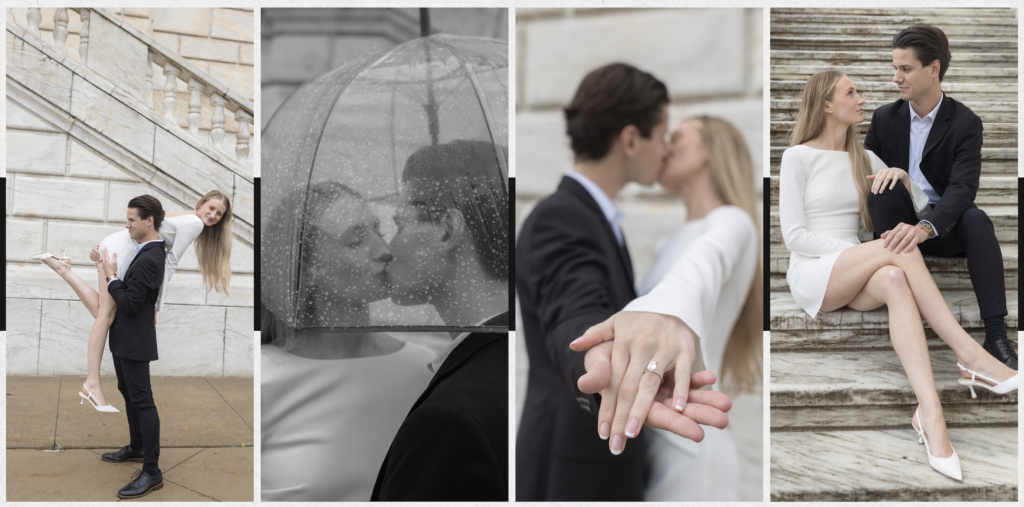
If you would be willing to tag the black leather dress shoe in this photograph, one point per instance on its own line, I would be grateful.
(1003, 351)
(125, 454)
(142, 483)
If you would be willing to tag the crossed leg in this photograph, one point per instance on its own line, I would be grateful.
(869, 275)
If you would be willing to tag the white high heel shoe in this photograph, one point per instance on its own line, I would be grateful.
(1007, 386)
(51, 256)
(94, 403)
(949, 466)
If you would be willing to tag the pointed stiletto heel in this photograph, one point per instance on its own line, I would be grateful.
(948, 466)
(1007, 386)
(95, 404)
(51, 256)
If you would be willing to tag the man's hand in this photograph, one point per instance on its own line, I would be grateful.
(94, 254)
(630, 395)
(887, 178)
(903, 238)
(109, 265)
(154, 318)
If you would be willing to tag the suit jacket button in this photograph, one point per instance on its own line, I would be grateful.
(584, 403)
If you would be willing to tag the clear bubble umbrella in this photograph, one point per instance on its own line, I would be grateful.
(385, 195)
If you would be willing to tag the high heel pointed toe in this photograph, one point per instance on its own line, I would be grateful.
(95, 404)
(60, 259)
(1007, 386)
(948, 466)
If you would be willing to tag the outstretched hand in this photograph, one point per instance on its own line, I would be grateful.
(618, 352)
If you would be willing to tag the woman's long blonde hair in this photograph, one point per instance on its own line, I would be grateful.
(810, 123)
(213, 246)
(732, 171)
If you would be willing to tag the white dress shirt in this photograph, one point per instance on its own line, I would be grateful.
(608, 207)
(919, 130)
(439, 360)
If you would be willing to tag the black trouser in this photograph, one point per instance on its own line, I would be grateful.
(973, 234)
(143, 421)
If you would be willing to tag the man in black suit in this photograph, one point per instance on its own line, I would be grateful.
(133, 342)
(451, 251)
(573, 271)
(937, 141)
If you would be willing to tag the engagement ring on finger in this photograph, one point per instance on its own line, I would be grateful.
(650, 369)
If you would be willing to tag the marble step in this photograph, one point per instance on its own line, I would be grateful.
(779, 258)
(881, 58)
(988, 112)
(886, 30)
(785, 315)
(964, 92)
(996, 135)
(832, 340)
(866, 378)
(837, 17)
(944, 281)
(1004, 218)
(779, 13)
(994, 161)
(889, 465)
(834, 42)
(998, 190)
(885, 73)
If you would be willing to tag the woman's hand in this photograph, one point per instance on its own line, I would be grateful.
(630, 395)
(887, 178)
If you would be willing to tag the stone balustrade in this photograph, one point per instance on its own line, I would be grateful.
(125, 56)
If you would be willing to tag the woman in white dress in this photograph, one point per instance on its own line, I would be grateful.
(208, 225)
(823, 191)
(709, 276)
(331, 402)
(711, 270)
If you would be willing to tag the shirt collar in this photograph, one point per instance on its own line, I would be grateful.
(137, 249)
(932, 115)
(608, 207)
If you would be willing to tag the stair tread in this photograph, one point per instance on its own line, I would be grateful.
(890, 465)
(859, 377)
(785, 314)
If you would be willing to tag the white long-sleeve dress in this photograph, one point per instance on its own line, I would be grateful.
(820, 217)
(702, 276)
(177, 232)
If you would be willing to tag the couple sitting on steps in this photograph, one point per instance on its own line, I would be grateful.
(912, 184)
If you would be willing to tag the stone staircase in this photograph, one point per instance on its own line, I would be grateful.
(840, 400)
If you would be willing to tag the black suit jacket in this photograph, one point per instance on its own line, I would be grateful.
(453, 445)
(950, 161)
(133, 335)
(570, 274)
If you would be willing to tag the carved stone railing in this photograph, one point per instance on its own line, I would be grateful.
(139, 82)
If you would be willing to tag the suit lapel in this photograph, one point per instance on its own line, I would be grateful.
(573, 187)
(940, 127)
(130, 265)
(902, 125)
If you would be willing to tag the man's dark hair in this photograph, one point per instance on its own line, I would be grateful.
(608, 100)
(148, 206)
(464, 175)
(929, 44)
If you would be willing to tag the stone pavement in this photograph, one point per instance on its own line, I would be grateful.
(54, 443)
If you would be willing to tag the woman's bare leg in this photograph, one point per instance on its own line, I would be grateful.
(98, 338)
(856, 265)
(90, 298)
(889, 286)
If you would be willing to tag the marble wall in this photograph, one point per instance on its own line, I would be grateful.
(76, 155)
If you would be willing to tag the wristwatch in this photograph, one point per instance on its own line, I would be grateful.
(927, 229)
(109, 278)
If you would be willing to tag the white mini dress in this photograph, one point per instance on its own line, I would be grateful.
(820, 217)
